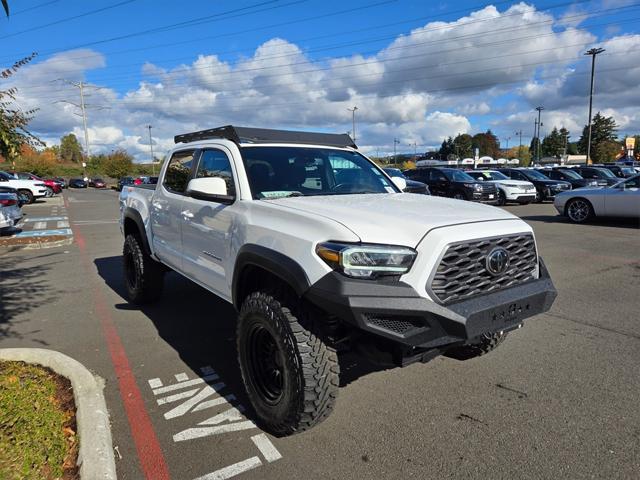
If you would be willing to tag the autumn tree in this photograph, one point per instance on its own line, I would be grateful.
(463, 145)
(118, 164)
(487, 143)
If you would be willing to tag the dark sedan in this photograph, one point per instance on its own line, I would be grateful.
(123, 182)
(412, 185)
(571, 176)
(77, 183)
(546, 189)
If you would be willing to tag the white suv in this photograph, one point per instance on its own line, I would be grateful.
(509, 190)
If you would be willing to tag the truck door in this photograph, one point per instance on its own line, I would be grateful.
(166, 208)
(207, 226)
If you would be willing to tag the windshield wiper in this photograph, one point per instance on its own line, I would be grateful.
(283, 195)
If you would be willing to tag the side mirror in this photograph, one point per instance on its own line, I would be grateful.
(399, 182)
(211, 188)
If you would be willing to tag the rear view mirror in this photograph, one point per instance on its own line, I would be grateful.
(399, 182)
(210, 188)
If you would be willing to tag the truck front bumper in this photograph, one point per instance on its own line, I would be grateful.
(395, 311)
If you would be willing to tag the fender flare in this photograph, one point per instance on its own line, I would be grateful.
(132, 214)
(274, 262)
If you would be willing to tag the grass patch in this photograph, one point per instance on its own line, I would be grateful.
(37, 424)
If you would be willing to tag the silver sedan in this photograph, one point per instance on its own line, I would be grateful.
(619, 200)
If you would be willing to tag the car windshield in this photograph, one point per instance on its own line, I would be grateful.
(534, 174)
(458, 176)
(604, 173)
(277, 172)
(488, 175)
(628, 170)
(394, 172)
(571, 174)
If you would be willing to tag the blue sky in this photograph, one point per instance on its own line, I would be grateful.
(417, 70)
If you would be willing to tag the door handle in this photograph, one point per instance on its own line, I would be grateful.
(186, 214)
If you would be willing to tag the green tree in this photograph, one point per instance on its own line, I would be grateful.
(70, 149)
(603, 130)
(553, 144)
(447, 148)
(463, 145)
(118, 164)
(13, 121)
(487, 143)
(606, 151)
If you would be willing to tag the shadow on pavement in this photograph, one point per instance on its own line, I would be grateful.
(23, 289)
(605, 222)
(202, 328)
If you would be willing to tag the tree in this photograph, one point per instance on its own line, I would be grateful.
(487, 143)
(70, 149)
(603, 130)
(553, 144)
(13, 121)
(463, 145)
(606, 151)
(118, 164)
(41, 163)
(447, 148)
(521, 153)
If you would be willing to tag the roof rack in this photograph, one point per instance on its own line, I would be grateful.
(264, 135)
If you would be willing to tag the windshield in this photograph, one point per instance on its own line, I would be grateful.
(628, 170)
(458, 176)
(536, 175)
(488, 175)
(604, 173)
(571, 174)
(277, 172)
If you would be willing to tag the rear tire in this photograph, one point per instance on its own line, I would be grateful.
(49, 193)
(477, 347)
(143, 276)
(29, 196)
(289, 368)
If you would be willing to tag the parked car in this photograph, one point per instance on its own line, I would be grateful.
(97, 183)
(620, 171)
(509, 190)
(60, 181)
(569, 175)
(603, 176)
(546, 189)
(77, 183)
(619, 200)
(412, 185)
(123, 182)
(10, 212)
(30, 189)
(52, 186)
(22, 199)
(319, 246)
(450, 182)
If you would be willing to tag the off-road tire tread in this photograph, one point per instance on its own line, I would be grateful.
(486, 344)
(316, 356)
(151, 276)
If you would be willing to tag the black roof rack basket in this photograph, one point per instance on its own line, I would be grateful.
(265, 135)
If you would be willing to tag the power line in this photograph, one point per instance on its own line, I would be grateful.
(13, 14)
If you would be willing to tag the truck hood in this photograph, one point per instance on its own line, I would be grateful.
(396, 219)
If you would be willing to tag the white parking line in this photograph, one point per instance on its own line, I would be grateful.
(266, 448)
(63, 224)
(232, 470)
(39, 225)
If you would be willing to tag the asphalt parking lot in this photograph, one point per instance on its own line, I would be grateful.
(559, 399)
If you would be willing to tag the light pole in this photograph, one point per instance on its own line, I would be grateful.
(395, 158)
(519, 133)
(353, 121)
(153, 166)
(539, 109)
(593, 52)
(507, 139)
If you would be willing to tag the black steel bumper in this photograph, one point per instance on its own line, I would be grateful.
(395, 311)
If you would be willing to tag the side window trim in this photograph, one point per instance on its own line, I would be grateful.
(195, 160)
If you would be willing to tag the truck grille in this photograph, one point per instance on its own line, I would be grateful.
(462, 271)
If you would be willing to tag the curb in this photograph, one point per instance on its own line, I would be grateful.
(95, 456)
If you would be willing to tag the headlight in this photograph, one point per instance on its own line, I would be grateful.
(470, 185)
(366, 261)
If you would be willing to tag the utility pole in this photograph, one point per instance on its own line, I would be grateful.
(153, 165)
(539, 109)
(519, 133)
(395, 142)
(353, 121)
(415, 149)
(593, 52)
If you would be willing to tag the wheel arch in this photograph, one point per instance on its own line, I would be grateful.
(133, 225)
(573, 199)
(256, 266)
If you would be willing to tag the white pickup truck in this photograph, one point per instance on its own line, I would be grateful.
(317, 248)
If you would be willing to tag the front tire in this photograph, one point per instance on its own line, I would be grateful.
(143, 276)
(459, 196)
(49, 192)
(479, 346)
(539, 197)
(28, 195)
(579, 210)
(289, 368)
(502, 198)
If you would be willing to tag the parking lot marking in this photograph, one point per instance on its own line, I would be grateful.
(189, 383)
(199, 432)
(181, 377)
(176, 396)
(46, 219)
(268, 450)
(155, 383)
(44, 233)
(233, 470)
(62, 224)
(183, 408)
(215, 402)
(39, 225)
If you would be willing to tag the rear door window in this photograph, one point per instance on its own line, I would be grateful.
(178, 171)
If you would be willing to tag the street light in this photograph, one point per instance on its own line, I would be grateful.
(593, 52)
(539, 109)
(353, 121)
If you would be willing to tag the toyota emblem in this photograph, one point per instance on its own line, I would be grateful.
(497, 261)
